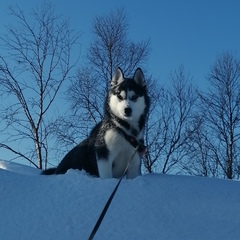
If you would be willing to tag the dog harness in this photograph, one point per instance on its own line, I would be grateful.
(141, 148)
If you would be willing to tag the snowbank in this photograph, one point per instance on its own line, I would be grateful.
(155, 206)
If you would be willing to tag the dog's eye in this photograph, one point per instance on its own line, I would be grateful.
(119, 97)
(134, 97)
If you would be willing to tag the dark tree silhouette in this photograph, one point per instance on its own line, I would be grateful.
(221, 111)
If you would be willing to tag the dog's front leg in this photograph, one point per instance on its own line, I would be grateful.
(134, 168)
(103, 162)
(104, 168)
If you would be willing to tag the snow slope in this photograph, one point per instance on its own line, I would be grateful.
(36, 207)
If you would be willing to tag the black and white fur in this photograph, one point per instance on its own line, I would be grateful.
(107, 150)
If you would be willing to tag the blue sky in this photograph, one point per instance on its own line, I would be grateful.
(182, 32)
(187, 32)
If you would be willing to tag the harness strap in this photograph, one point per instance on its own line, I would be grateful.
(99, 221)
(138, 147)
(104, 212)
(141, 148)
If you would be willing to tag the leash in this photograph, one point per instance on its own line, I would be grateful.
(99, 221)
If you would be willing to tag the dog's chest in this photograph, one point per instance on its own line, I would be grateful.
(116, 141)
(120, 151)
(117, 144)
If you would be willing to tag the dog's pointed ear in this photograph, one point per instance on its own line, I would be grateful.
(139, 77)
(117, 77)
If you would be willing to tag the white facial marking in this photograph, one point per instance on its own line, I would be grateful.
(118, 103)
(122, 95)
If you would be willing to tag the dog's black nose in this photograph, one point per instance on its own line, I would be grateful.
(128, 111)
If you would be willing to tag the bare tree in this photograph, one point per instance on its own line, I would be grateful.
(221, 110)
(112, 48)
(33, 66)
(200, 151)
(170, 128)
(109, 49)
(153, 128)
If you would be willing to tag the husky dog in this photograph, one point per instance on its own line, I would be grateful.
(113, 142)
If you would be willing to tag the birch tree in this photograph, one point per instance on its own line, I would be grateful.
(35, 61)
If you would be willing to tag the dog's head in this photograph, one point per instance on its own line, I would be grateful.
(128, 96)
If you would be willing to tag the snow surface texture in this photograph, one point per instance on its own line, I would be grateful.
(154, 206)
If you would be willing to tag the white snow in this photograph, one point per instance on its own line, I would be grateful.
(154, 206)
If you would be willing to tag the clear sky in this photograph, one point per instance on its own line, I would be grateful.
(187, 32)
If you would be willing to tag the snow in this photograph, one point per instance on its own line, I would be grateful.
(154, 206)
